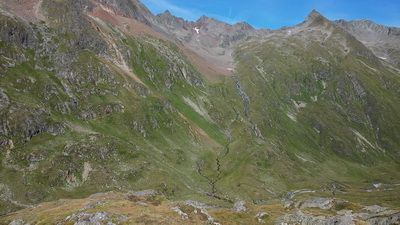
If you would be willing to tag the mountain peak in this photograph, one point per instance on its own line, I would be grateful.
(244, 25)
(203, 18)
(315, 18)
(167, 12)
(314, 14)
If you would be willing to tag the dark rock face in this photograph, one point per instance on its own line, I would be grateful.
(3, 142)
(28, 123)
(14, 31)
(4, 100)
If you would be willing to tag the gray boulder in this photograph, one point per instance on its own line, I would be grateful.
(322, 203)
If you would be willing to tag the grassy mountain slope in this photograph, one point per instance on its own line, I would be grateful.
(86, 106)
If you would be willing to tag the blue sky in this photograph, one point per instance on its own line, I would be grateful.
(274, 14)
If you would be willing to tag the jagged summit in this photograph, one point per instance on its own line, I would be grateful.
(369, 26)
(167, 12)
(313, 15)
(314, 18)
(213, 32)
(204, 18)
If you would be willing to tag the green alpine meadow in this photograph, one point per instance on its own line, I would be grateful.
(112, 115)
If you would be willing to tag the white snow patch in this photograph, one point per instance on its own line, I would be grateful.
(384, 58)
(196, 29)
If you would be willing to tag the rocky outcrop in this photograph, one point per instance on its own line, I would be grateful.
(369, 214)
(94, 218)
(183, 215)
(261, 216)
(196, 208)
(239, 207)
(142, 193)
(80, 32)
(300, 217)
(14, 31)
(4, 100)
(394, 219)
(28, 123)
(322, 203)
(3, 142)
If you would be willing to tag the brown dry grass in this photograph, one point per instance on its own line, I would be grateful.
(154, 209)
(25, 9)
(211, 71)
(130, 27)
(157, 210)
(133, 27)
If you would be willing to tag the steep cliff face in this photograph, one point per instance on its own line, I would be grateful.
(13, 31)
(103, 95)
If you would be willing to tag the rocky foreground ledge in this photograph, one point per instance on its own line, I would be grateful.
(148, 207)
